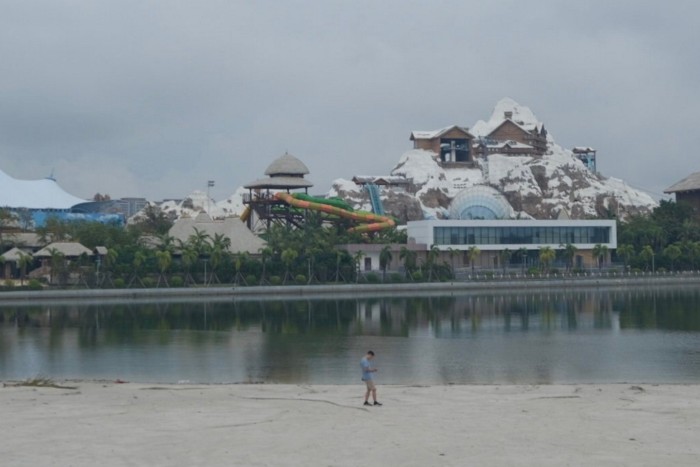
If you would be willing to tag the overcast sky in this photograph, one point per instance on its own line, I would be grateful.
(154, 98)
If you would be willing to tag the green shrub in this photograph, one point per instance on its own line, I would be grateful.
(275, 280)
(177, 281)
(35, 285)
(372, 277)
(533, 270)
(119, 283)
(148, 282)
(300, 279)
(250, 279)
(395, 277)
(417, 276)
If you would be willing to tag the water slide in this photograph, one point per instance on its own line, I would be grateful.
(371, 222)
(374, 198)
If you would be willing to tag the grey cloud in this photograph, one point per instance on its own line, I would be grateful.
(175, 93)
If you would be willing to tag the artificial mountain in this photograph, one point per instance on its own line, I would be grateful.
(552, 185)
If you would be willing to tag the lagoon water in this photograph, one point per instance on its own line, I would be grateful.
(635, 335)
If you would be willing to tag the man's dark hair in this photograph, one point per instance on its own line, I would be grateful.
(369, 352)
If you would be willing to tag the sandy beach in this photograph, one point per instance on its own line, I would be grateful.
(110, 424)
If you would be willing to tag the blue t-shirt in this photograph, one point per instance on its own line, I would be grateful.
(365, 365)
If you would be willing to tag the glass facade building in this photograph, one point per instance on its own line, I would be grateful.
(520, 235)
(513, 234)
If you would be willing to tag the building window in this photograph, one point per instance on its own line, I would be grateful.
(520, 235)
(454, 150)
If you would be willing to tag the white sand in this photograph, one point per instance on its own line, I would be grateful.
(106, 424)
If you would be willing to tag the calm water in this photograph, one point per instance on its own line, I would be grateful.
(638, 335)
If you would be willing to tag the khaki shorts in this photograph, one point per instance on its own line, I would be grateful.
(370, 384)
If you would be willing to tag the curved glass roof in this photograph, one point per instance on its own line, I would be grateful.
(480, 202)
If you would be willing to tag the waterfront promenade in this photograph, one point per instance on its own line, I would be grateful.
(470, 284)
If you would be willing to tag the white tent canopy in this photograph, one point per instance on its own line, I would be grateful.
(34, 194)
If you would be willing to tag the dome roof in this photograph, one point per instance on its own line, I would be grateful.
(480, 202)
(287, 165)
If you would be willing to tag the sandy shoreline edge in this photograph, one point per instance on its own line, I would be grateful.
(326, 425)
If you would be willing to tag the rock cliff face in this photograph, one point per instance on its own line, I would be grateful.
(537, 186)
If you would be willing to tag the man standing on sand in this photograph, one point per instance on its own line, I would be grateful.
(367, 371)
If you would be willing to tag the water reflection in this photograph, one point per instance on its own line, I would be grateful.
(562, 336)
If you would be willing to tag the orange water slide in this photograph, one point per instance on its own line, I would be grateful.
(372, 222)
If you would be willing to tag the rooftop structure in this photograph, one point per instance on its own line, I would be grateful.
(587, 156)
(241, 238)
(452, 144)
(687, 190)
(286, 172)
(34, 194)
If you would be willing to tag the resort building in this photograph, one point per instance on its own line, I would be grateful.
(286, 174)
(532, 137)
(452, 144)
(35, 201)
(491, 237)
(238, 236)
(587, 156)
(687, 191)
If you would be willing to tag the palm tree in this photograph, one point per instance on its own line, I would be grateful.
(625, 251)
(385, 258)
(647, 255)
(547, 255)
(58, 263)
(600, 253)
(199, 241)
(167, 242)
(409, 261)
(238, 262)
(288, 257)
(504, 258)
(473, 254)
(338, 258)
(452, 252)
(569, 253)
(430, 260)
(110, 259)
(165, 260)
(140, 258)
(218, 249)
(23, 262)
(673, 252)
(188, 256)
(357, 258)
(265, 254)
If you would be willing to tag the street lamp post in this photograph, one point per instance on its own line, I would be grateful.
(210, 184)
